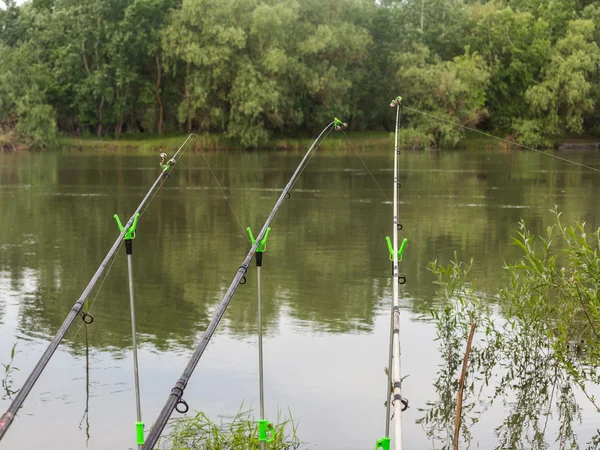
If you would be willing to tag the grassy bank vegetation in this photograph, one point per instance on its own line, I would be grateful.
(362, 140)
(239, 432)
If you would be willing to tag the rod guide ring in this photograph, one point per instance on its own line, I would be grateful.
(182, 409)
(87, 318)
(243, 280)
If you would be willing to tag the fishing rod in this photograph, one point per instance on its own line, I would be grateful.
(9, 416)
(394, 379)
(175, 401)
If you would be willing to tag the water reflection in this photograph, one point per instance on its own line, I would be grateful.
(326, 243)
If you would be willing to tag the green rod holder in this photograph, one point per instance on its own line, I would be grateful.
(262, 245)
(265, 431)
(383, 444)
(130, 234)
(391, 248)
(139, 432)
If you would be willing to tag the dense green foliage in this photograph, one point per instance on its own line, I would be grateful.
(539, 357)
(251, 68)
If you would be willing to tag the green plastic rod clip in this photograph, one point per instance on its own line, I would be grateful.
(262, 246)
(391, 248)
(339, 125)
(131, 231)
(166, 165)
(139, 432)
(383, 444)
(396, 102)
(265, 431)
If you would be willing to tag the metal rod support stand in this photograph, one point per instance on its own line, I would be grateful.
(128, 245)
(263, 445)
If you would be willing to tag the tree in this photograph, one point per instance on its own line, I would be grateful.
(516, 46)
(561, 102)
(22, 97)
(454, 91)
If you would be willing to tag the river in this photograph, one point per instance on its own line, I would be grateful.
(326, 286)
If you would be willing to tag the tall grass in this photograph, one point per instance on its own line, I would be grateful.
(9, 369)
(239, 432)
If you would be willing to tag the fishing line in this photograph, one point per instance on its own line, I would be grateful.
(98, 291)
(222, 191)
(501, 139)
(312, 154)
(153, 196)
(86, 413)
(9, 416)
(175, 400)
(364, 164)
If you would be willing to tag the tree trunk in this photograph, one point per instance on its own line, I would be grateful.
(85, 63)
(119, 125)
(422, 15)
(158, 99)
(99, 129)
(187, 94)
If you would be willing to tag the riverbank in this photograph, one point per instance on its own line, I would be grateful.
(214, 142)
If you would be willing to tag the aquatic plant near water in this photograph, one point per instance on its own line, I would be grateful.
(536, 352)
(9, 369)
(239, 432)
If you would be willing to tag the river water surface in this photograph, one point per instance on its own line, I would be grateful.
(326, 286)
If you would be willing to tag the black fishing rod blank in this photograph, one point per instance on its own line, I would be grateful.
(175, 400)
(9, 416)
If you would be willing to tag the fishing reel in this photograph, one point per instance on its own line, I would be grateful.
(396, 102)
(166, 165)
(163, 158)
(338, 125)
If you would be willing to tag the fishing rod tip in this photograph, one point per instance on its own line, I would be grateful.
(396, 102)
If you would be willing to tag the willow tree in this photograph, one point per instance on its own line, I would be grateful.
(454, 91)
(252, 67)
(567, 94)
